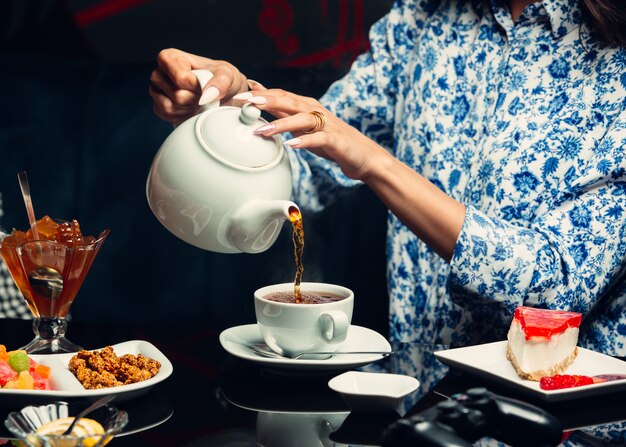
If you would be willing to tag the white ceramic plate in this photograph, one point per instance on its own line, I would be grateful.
(64, 384)
(489, 361)
(358, 339)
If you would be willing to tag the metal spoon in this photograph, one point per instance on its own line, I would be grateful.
(94, 406)
(24, 186)
(46, 282)
(264, 351)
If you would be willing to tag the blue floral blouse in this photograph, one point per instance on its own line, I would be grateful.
(524, 123)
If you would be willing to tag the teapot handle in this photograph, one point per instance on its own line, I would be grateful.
(203, 77)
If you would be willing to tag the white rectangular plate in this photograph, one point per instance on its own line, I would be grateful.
(489, 361)
(64, 384)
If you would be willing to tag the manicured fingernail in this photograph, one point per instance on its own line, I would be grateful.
(243, 96)
(252, 84)
(209, 95)
(260, 100)
(293, 142)
(263, 129)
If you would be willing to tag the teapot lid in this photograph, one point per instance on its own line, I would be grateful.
(227, 133)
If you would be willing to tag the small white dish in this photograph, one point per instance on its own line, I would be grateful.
(373, 392)
(359, 338)
(489, 362)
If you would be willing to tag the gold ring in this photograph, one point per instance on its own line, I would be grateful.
(320, 122)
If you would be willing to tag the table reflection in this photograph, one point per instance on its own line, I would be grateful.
(214, 399)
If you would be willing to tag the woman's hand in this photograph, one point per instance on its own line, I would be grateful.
(175, 91)
(324, 135)
(431, 214)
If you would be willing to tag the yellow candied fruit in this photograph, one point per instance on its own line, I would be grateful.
(4, 355)
(24, 382)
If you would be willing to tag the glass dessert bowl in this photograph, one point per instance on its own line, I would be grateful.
(49, 272)
(37, 426)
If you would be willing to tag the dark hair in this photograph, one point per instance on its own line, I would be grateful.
(607, 19)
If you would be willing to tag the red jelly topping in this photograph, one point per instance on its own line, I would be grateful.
(560, 381)
(544, 322)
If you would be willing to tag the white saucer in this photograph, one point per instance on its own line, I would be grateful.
(359, 339)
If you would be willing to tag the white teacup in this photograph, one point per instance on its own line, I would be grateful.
(297, 429)
(292, 329)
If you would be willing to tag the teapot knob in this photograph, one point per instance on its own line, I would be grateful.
(249, 114)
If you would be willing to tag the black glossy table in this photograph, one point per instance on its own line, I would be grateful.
(214, 399)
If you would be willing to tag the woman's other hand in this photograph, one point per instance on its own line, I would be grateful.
(316, 129)
(432, 215)
(176, 92)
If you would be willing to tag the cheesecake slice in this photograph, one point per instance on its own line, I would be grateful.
(542, 342)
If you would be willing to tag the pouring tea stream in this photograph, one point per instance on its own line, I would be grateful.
(218, 186)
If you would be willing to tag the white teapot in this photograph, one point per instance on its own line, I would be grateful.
(219, 187)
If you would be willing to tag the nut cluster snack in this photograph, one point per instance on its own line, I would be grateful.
(104, 369)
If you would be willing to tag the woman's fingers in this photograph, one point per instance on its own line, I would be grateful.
(293, 111)
(176, 65)
(182, 97)
(276, 100)
(175, 79)
(226, 82)
(304, 122)
(164, 109)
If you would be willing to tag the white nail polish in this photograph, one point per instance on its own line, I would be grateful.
(265, 128)
(260, 100)
(243, 96)
(293, 142)
(209, 95)
(252, 84)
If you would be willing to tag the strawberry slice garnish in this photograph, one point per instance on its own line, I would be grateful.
(561, 381)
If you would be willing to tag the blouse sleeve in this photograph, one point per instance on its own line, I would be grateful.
(366, 98)
(568, 258)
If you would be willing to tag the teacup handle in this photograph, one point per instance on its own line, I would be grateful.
(334, 325)
(203, 77)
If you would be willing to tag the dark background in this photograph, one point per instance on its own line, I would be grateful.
(76, 115)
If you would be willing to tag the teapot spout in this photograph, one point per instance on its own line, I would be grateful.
(254, 226)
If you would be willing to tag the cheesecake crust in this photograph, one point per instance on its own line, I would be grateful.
(537, 375)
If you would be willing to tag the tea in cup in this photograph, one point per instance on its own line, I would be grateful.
(319, 322)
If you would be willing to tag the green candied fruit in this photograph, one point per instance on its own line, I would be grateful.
(19, 362)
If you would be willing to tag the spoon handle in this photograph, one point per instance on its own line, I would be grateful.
(24, 186)
(383, 353)
(97, 404)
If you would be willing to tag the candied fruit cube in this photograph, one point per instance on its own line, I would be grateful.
(19, 361)
(25, 381)
(3, 353)
(42, 371)
(15, 238)
(10, 385)
(41, 384)
(47, 228)
(7, 374)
